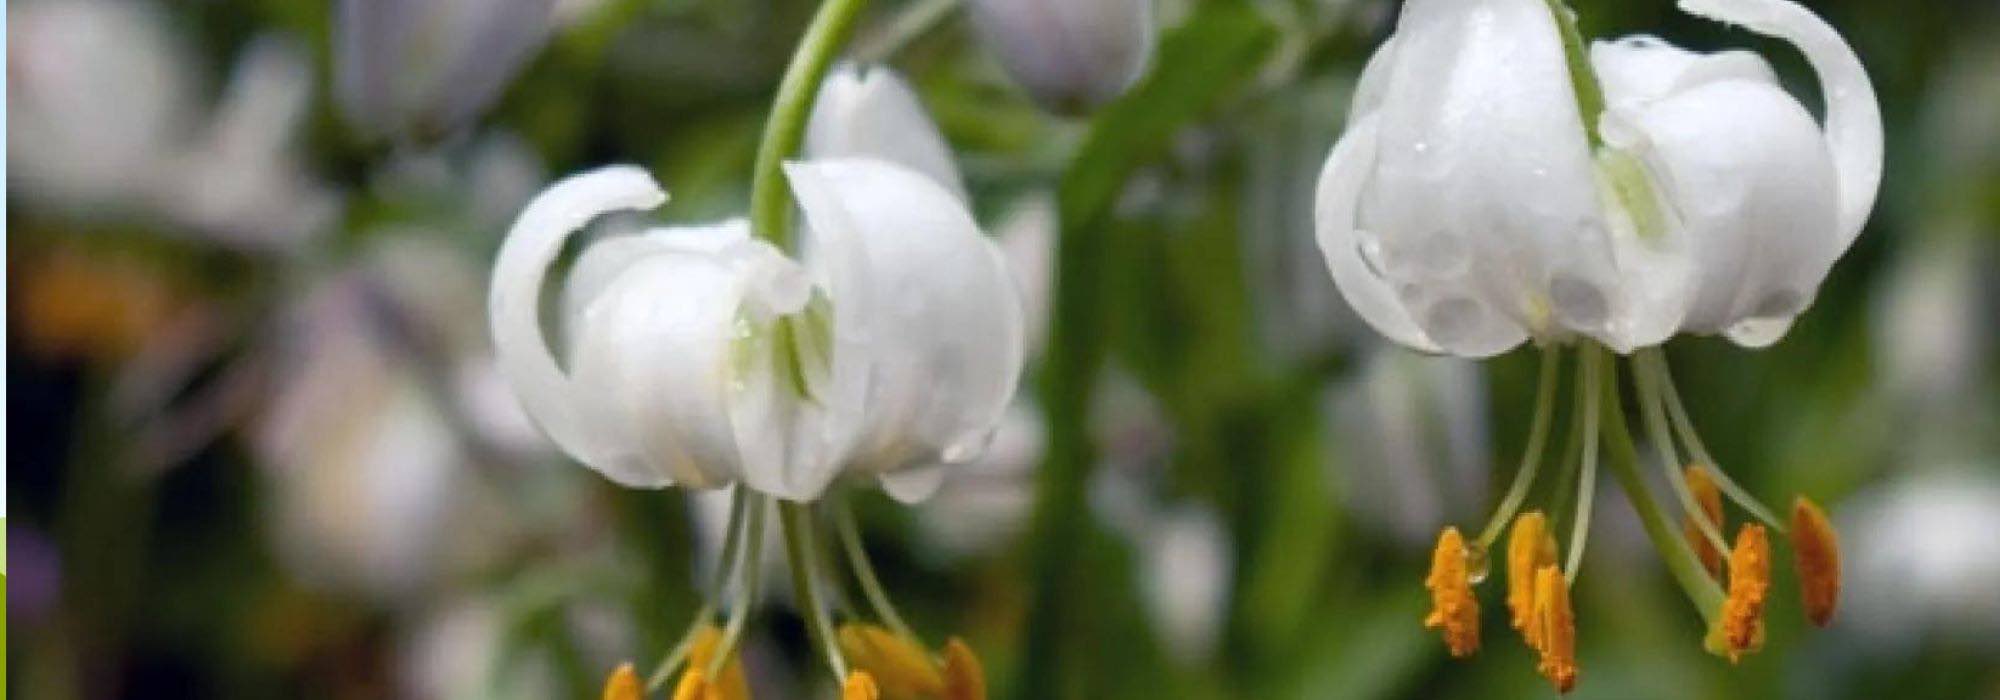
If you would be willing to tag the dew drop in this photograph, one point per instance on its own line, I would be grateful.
(1478, 563)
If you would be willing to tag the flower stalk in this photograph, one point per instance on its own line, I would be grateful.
(770, 201)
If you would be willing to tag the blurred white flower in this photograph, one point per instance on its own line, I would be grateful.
(103, 118)
(698, 355)
(459, 652)
(1188, 562)
(1411, 436)
(1070, 55)
(368, 468)
(1933, 327)
(242, 180)
(1468, 207)
(1027, 236)
(424, 68)
(97, 96)
(1924, 559)
(983, 505)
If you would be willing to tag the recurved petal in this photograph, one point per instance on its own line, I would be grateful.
(514, 310)
(1853, 129)
(1334, 211)
(869, 112)
(927, 337)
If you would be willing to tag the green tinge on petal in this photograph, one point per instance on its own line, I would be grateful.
(1633, 189)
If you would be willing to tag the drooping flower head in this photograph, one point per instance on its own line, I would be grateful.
(1499, 182)
(885, 350)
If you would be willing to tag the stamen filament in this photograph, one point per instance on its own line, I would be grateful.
(748, 584)
(864, 570)
(1674, 550)
(725, 567)
(799, 550)
(1572, 454)
(1685, 427)
(1647, 379)
(1594, 365)
(1531, 456)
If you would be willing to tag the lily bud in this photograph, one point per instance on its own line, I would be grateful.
(1070, 55)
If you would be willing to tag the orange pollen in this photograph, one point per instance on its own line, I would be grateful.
(1453, 609)
(1816, 554)
(1555, 626)
(693, 685)
(1530, 546)
(624, 684)
(899, 666)
(1710, 499)
(964, 676)
(1742, 617)
(860, 686)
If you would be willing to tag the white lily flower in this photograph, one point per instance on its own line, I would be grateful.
(1467, 208)
(701, 356)
(1069, 55)
(430, 66)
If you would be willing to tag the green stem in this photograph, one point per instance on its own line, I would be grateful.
(770, 205)
(1680, 558)
(800, 551)
(1531, 457)
(1583, 80)
(864, 571)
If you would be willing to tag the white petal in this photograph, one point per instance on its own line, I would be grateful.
(653, 361)
(927, 328)
(1853, 119)
(1483, 193)
(868, 111)
(1368, 90)
(1751, 183)
(515, 300)
(1334, 214)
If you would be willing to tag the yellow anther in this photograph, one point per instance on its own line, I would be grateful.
(729, 683)
(900, 667)
(1816, 553)
(1555, 626)
(1453, 609)
(964, 676)
(860, 686)
(1530, 546)
(1710, 499)
(693, 685)
(1739, 629)
(624, 684)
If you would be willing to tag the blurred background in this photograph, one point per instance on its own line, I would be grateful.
(257, 446)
